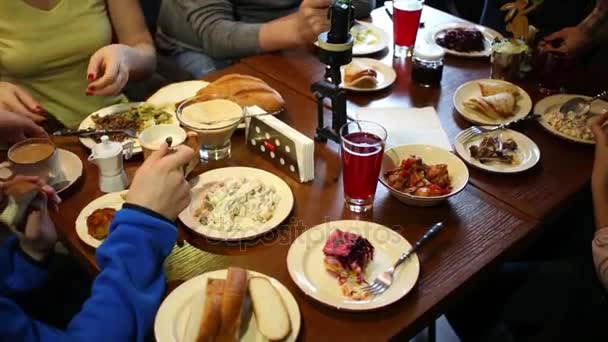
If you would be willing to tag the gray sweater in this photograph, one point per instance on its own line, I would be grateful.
(224, 29)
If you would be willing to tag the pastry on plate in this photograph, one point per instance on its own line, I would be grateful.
(498, 106)
(493, 88)
(359, 75)
(98, 223)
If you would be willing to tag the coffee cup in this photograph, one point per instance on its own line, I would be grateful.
(36, 157)
(152, 138)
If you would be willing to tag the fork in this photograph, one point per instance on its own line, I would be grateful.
(385, 279)
(474, 131)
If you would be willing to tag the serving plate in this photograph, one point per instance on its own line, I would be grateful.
(382, 39)
(489, 35)
(117, 108)
(552, 103)
(305, 265)
(471, 89)
(386, 75)
(527, 153)
(113, 200)
(172, 317)
(281, 212)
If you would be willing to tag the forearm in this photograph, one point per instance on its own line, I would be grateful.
(18, 272)
(279, 34)
(141, 59)
(596, 23)
(600, 255)
(599, 189)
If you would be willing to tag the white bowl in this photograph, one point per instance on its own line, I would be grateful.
(459, 174)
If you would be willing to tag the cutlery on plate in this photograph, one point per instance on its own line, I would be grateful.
(385, 279)
(474, 131)
(89, 132)
(578, 105)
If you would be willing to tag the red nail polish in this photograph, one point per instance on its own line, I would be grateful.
(91, 77)
(91, 88)
(89, 93)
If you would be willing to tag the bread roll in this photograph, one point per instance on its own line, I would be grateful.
(360, 76)
(20, 195)
(205, 315)
(232, 304)
(270, 312)
(244, 90)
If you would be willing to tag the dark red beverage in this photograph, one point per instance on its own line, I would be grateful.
(553, 71)
(361, 158)
(406, 19)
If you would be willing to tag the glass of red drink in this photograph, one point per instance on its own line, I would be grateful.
(362, 151)
(406, 19)
(553, 70)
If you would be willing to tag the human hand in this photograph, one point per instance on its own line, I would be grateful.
(15, 127)
(312, 20)
(599, 177)
(15, 99)
(108, 70)
(159, 184)
(570, 40)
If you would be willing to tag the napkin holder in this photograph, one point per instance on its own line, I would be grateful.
(289, 150)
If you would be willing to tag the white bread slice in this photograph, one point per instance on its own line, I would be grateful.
(270, 312)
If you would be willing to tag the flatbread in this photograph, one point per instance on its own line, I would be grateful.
(491, 88)
(498, 106)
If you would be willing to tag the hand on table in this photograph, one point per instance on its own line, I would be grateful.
(570, 40)
(159, 184)
(312, 20)
(39, 237)
(15, 127)
(109, 70)
(15, 99)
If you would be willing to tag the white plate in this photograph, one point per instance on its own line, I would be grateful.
(471, 89)
(111, 200)
(72, 168)
(527, 152)
(386, 75)
(281, 212)
(117, 108)
(70, 164)
(488, 34)
(551, 104)
(305, 265)
(173, 314)
(361, 49)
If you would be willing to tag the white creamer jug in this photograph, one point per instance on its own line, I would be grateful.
(108, 156)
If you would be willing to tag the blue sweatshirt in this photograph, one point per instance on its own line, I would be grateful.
(125, 295)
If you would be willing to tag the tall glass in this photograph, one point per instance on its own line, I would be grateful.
(406, 20)
(553, 70)
(362, 151)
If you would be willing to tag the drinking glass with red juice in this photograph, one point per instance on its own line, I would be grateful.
(406, 20)
(362, 148)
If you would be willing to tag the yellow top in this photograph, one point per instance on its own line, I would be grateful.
(47, 53)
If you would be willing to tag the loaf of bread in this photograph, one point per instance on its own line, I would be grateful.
(232, 304)
(244, 90)
(205, 315)
(270, 312)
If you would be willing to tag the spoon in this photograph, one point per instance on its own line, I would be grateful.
(579, 105)
(92, 132)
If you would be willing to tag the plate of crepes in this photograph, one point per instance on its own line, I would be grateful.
(491, 102)
(237, 203)
(367, 75)
(368, 38)
(464, 40)
(333, 261)
(133, 115)
(228, 305)
(93, 222)
(422, 175)
(569, 126)
(503, 151)
(245, 90)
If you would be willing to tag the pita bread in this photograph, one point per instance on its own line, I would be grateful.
(491, 88)
(499, 106)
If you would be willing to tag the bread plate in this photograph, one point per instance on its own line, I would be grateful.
(527, 154)
(551, 104)
(488, 34)
(173, 314)
(280, 213)
(386, 75)
(372, 38)
(471, 89)
(305, 265)
(113, 200)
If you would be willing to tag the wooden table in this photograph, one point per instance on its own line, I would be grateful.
(490, 219)
(541, 192)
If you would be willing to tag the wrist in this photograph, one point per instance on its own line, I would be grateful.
(36, 253)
